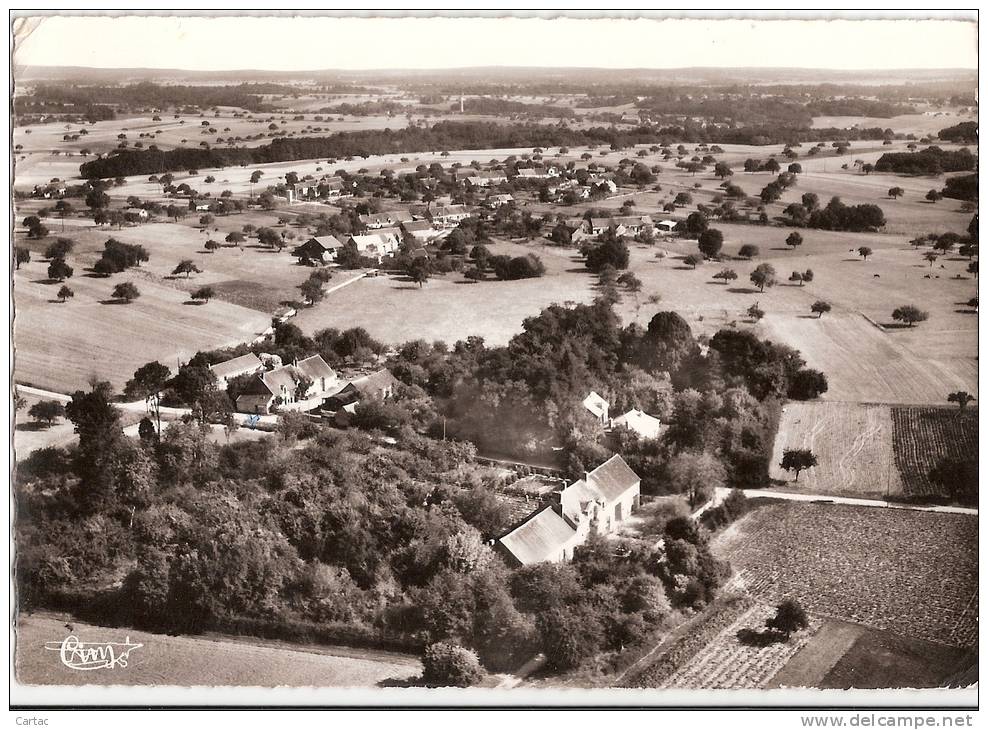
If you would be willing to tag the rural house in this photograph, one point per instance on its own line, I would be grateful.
(602, 500)
(379, 244)
(448, 216)
(319, 248)
(496, 201)
(646, 426)
(420, 230)
(384, 220)
(301, 386)
(229, 369)
(597, 406)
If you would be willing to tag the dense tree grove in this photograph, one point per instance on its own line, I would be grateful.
(931, 161)
(443, 135)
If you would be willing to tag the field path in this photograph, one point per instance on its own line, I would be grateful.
(722, 493)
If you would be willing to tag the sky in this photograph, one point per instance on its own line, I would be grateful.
(315, 43)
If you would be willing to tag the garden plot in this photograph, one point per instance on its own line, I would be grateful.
(729, 662)
(926, 437)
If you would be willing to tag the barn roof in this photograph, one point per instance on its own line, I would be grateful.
(250, 361)
(612, 478)
(539, 537)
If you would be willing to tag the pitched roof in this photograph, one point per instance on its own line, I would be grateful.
(446, 210)
(612, 478)
(632, 220)
(596, 404)
(250, 361)
(641, 423)
(328, 243)
(539, 537)
(416, 225)
(376, 382)
(315, 367)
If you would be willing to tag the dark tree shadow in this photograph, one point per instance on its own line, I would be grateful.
(808, 316)
(895, 326)
(114, 301)
(193, 303)
(46, 282)
(966, 311)
(417, 681)
(762, 638)
(743, 290)
(30, 426)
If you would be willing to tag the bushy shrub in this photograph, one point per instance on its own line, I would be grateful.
(449, 665)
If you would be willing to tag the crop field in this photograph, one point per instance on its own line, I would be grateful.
(923, 438)
(853, 443)
(912, 573)
(866, 365)
(689, 640)
(918, 124)
(730, 662)
(185, 661)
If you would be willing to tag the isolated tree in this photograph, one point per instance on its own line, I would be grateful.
(820, 308)
(711, 242)
(864, 252)
(748, 251)
(65, 293)
(972, 268)
(693, 260)
(59, 248)
(931, 256)
(723, 170)
(22, 256)
(755, 312)
(126, 292)
(728, 275)
(419, 271)
(149, 379)
(187, 267)
(807, 276)
(763, 276)
(450, 665)
(798, 460)
(796, 276)
(312, 290)
(933, 196)
(789, 618)
(48, 411)
(910, 314)
(235, 237)
(211, 245)
(896, 192)
(793, 240)
(961, 398)
(59, 270)
(203, 294)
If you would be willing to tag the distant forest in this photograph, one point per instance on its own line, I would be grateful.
(244, 96)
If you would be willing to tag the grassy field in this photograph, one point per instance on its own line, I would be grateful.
(853, 443)
(184, 661)
(61, 346)
(912, 573)
(924, 438)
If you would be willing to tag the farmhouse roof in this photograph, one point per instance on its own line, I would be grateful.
(315, 367)
(374, 383)
(612, 478)
(250, 361)
(328, 243)
(641, 423)
(632, 220)
(539, 537)
(413, 226)
(448, 210)
(596, 404)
